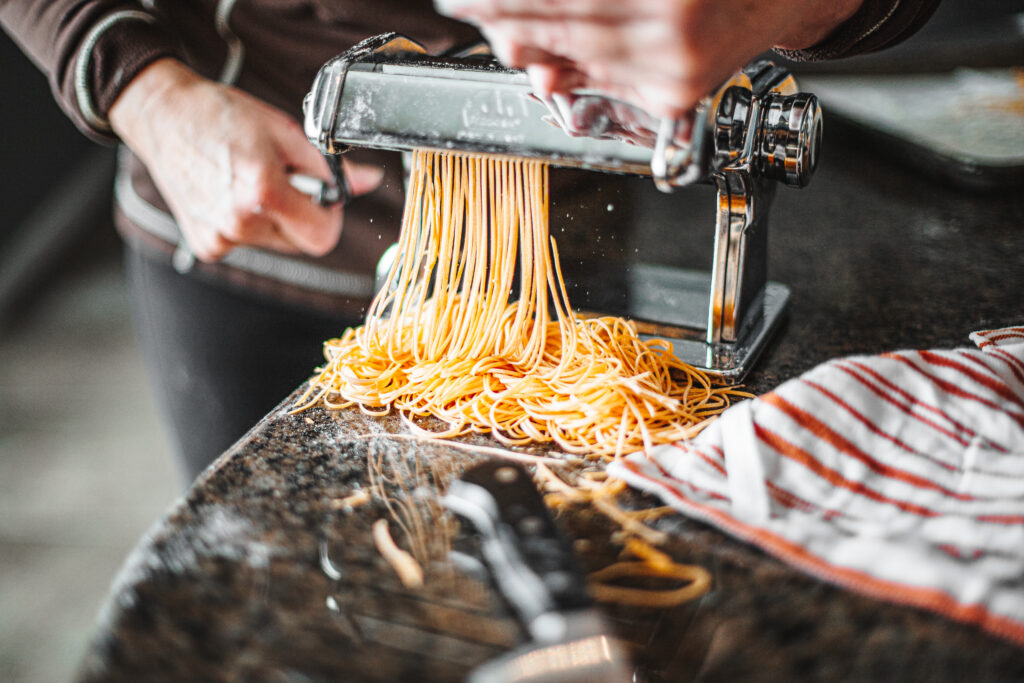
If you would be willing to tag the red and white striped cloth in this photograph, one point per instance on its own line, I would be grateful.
(900, 476)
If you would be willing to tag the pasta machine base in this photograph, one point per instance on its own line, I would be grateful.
(671, 304)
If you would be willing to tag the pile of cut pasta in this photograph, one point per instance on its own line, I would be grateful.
(475, 328)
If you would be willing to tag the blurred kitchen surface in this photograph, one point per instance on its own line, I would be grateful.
(85, 466)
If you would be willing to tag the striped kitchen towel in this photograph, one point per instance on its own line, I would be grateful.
(900, 476)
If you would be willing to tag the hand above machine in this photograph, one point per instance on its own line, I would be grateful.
(222, 161)
(661, 55)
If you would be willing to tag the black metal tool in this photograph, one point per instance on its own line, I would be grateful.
(534, 569)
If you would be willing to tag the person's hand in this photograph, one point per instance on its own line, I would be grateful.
(662, 55)
(222, 160)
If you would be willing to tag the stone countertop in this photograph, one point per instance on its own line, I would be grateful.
(259, 574)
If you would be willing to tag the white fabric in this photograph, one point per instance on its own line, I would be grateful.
(899, 476)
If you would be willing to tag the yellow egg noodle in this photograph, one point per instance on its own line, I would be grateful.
(448, 338)
(599, 491)
(409, 571)
(456, 336)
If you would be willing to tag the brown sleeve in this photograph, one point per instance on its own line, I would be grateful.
(90, 50)
(878, 24)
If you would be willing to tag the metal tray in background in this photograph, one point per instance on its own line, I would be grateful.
(965, 126)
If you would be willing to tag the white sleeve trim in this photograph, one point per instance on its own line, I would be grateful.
(236, 49)
(880, 23)
(84, 97)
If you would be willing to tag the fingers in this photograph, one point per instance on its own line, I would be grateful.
(662, 56)
(259, 209)
(647, 43)
(296, 151)
(290, 221)
(300, 156)
(212, 243)
(546, 78)
(270, 213)
(639, 61)
(234, 189)
(310, 227)
(656, 94)
(362, 178)
(208, 246)
(259, 230)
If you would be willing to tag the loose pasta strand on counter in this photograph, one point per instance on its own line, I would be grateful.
(455, 336)
(595, 489)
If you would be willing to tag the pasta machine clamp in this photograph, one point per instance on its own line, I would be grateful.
(755, 132)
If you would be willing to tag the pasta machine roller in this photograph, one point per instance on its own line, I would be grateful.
(756, 131)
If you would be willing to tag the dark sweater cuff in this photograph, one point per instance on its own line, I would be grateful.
(878, 24)
(113, 52)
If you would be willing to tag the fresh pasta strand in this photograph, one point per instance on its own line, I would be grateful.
(449, 338)
(698, 583)
(599, 491)
(405, 565)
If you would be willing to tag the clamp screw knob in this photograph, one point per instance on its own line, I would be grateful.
(791, 138)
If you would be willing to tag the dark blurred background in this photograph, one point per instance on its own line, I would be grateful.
(84, 464)
(56, 189)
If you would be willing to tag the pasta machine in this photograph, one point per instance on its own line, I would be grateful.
(754, 133)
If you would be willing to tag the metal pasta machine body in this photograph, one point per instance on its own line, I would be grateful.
(756, 131)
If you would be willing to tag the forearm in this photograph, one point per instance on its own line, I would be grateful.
(90, 51)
